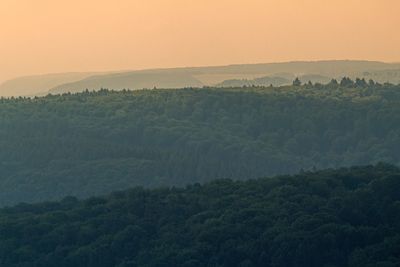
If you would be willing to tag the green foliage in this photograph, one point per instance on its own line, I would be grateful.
(346, 217)
(97, 142)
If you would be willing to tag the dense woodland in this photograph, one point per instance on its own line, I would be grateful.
(336, 218)
(97, 142)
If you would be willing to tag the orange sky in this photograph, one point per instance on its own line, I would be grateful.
(42, 36)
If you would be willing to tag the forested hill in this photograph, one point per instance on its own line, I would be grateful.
(97, 142)
(337, 218)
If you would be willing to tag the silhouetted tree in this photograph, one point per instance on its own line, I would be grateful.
(361, 83)
(346, 82)
(296, 82)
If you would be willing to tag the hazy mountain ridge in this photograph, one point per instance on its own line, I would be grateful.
(38, 84)
(389, 75)
(318, 71)
(199, 76)
(130, 81)
(275, 80)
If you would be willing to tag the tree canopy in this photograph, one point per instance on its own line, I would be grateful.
(337, 218)
(97, 142)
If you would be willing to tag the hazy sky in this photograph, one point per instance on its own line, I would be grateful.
(42, 36)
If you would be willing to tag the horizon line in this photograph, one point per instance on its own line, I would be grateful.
(97, 72)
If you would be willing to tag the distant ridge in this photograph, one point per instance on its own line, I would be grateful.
(316, 71)
(38, 84)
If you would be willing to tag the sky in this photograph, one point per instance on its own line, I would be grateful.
(47, 36)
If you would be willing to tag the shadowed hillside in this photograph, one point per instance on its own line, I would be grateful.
(338, 218)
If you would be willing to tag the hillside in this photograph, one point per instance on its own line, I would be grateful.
(39, 84)
(338, 218)
(318, 71)
(232, 75)
(279, 80)
(130, 81)
(97, 142)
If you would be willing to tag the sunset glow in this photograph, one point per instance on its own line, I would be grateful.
(45, 36)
